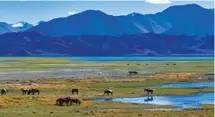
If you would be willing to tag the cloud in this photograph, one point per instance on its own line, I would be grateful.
(158, 1)
(72, 12)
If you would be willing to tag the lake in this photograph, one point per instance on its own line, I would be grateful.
(189, 85)
(128, 58)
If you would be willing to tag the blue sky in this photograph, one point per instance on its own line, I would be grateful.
(35, 11)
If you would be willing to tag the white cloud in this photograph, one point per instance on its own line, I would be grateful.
(158, 1)
(72, 12)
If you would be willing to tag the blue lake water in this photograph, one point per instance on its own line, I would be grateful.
(186, 101)
(129, 58)
(189, 85)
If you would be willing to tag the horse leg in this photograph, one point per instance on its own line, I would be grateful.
(61, 103)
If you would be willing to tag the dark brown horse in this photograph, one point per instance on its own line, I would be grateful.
(4, 91)
(61, 101)
(33, 91)
(149, 91)
(76, 101)
(133, 72)
(108, 91)
(74, 91)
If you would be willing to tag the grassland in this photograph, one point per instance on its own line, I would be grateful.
(20, 64)
(14, 104)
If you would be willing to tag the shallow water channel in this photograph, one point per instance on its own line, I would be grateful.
(181, 102)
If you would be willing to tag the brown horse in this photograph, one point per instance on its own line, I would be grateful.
(61, 101)
(76, 101)
(74, 91)
(108, 91)
(149, 91)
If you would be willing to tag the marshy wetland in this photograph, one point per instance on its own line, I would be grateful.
(179, 87)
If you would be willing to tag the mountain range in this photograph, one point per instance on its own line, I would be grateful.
(148, 44)
(178, 30)
(188, 19)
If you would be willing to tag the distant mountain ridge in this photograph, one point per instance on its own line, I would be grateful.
(188, 19)
(16, 27)
(149, 44)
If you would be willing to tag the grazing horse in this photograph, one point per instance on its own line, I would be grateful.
(74, 91)
(60, 101)
(148, 91)
(30, 91)
(33, 91)
(4, 91)
(108, 91)
(24, 91)
(133, 72)
(76, 101)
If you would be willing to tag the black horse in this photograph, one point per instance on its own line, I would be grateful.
(133, 72)
(76, 101)
(30, 91)
(33, 91)
(61, 101)
(74, 91)
(4, 91)
(149, 91)
(108, 91)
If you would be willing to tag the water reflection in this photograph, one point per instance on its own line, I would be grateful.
(148, 99)
(188, 101)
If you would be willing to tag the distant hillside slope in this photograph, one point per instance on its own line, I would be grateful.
(33, 43)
